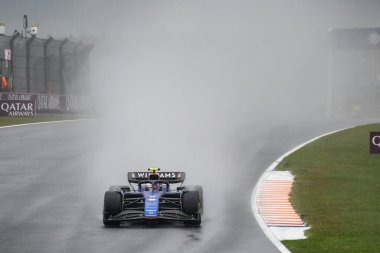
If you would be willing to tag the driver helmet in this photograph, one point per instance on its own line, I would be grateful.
(148, 187)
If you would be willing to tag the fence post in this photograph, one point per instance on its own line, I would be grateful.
(27, 67)
(11, 46)
(46, 64)
(76, 65)
(62, 89)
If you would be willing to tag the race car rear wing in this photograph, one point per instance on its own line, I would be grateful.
(171, 177)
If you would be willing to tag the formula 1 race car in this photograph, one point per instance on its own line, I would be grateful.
(158, 196)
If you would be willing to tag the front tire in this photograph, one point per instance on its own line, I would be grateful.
(111, 223)
(194, 223)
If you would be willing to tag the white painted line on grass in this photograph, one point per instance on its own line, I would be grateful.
(254, 204)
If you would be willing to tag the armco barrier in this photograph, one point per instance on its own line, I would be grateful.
(53, 103)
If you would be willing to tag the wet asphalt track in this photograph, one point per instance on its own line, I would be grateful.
(50, 201)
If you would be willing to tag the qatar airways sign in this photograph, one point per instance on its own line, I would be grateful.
(18, 108)
(374, 142)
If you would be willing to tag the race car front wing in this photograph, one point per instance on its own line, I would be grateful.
(135, 215)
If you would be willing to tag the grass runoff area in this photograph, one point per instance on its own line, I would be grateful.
(6, 121)
(337, 191)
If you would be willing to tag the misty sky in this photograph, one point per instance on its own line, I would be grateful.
(248, 52)
(61, 18)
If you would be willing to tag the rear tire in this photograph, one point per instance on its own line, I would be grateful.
(190, 202)
(119, 188)
(191, 205)
(199, 189)
(114, 188)
(112, 206)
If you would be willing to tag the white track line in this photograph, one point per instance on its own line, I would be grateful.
(43, 122)
(254, 196)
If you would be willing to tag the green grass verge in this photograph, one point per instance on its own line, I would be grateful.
(6, 121)
(337, 190)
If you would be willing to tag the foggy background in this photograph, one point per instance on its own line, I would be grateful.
(217, 89)
(182, 85)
